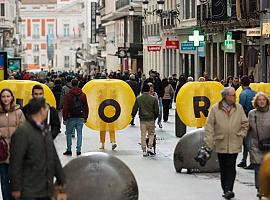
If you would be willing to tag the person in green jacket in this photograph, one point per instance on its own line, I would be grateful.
(33, 158)
(148, 113)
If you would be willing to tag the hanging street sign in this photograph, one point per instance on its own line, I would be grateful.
(229, 44)
(196, 38)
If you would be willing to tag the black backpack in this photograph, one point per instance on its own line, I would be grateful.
(76, 109)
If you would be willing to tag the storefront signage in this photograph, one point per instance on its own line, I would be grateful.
(172, 44)
(266, 29)
(229, 44)
(187, 46)
(196, 38)
(254, 32)
(153, 48)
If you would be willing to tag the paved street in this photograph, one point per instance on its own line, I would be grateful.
(156, 176)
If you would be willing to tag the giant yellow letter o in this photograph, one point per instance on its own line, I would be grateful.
(110, 101)
(194, 101)
(22, 91)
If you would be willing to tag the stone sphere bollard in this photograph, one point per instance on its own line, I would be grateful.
(187, 149)
(99, 176)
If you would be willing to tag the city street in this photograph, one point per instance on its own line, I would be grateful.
(156, 176)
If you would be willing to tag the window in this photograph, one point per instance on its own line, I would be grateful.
(50, 29)
(36, 31)
(36, 47)
(66, 30)
(189, 9)
(36, 60)
(23, 30)
(2, 9)
(66, 61)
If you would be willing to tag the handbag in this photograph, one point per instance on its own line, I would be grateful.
(264, 144)
(3, 149)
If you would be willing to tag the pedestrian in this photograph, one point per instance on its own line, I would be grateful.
(10, 118)
(134, 85)
(181, 82)
(245, 99)
(190, 79)
(54, 121)
(226, 141)
(235, 83)
(148, 109)
(34, 162)
(259, 128)
(265, 177)
(57, 91)
(166, 99)
(206, 76)
(49, 83)
(75, 113)
(201, 79)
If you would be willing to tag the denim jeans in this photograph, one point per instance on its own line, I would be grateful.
(74, 123)
(246, 144)
(5, 181)
(160, 110)
(257, 170)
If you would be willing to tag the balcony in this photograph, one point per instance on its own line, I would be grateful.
(69, 39)
(121, 3)
(6, 23)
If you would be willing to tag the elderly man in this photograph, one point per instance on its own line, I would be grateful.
(225, 129)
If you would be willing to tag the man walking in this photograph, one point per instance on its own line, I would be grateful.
(148, 112)
(54, 121)
(75, 113)
(246, 98)
(34, 161)
(225, 129)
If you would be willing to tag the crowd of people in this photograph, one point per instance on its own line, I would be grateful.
(27, 132)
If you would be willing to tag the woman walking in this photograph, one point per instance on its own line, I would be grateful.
(10, 118)
(166, 100)
(259, 130)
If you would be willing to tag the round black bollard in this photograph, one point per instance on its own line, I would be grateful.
(187, 149)
(180, 127)
(100, 176)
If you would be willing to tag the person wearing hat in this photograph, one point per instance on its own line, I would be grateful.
(245, 99)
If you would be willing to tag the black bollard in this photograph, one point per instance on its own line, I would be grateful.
(180, 127)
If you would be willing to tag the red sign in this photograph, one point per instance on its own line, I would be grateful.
(172, 44)
(154, 48)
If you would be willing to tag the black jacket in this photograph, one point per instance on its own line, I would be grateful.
(134, 86)
(157, 86)
(34, 162)
(57, 91)
(54, 120)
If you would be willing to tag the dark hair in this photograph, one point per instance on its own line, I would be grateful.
(35, 105)
(146, 88)
(165, 82)
(58, 81)
(69, 79)
(245, 81)
(74, 82)
(11, 93)
(37, 87)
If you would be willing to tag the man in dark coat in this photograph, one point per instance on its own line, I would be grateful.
(38, 92)
(34, 162)
(136, 90)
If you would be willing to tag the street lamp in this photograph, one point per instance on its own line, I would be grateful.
(160, 4)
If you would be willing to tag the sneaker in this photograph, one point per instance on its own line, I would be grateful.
(114, 145)
(145, 154)
(228, 195)
(242, 164)
(250, 167)
(79, 153)
(132, 124)
(151, 151)
(102, 146)
(159, 125)
(68, 153)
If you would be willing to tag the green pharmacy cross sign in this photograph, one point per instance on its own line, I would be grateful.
(229, 43)
(196, 38)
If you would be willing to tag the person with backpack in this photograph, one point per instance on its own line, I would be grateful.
(10, 118)
(75, 113)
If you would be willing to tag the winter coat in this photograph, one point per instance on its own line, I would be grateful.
(54, 120)
(265, 177)
(263, 127)
(134, 86)
(65, 90)
(147, 106)
(9, 122)
(168, 92)
(245, 99)
(34, 162)
(224, 132)
(57, 91)
(68, 100)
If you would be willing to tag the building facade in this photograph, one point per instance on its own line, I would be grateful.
(55, 33)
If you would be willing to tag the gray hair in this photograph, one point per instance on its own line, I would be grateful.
(132, 77)
(226, 91)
